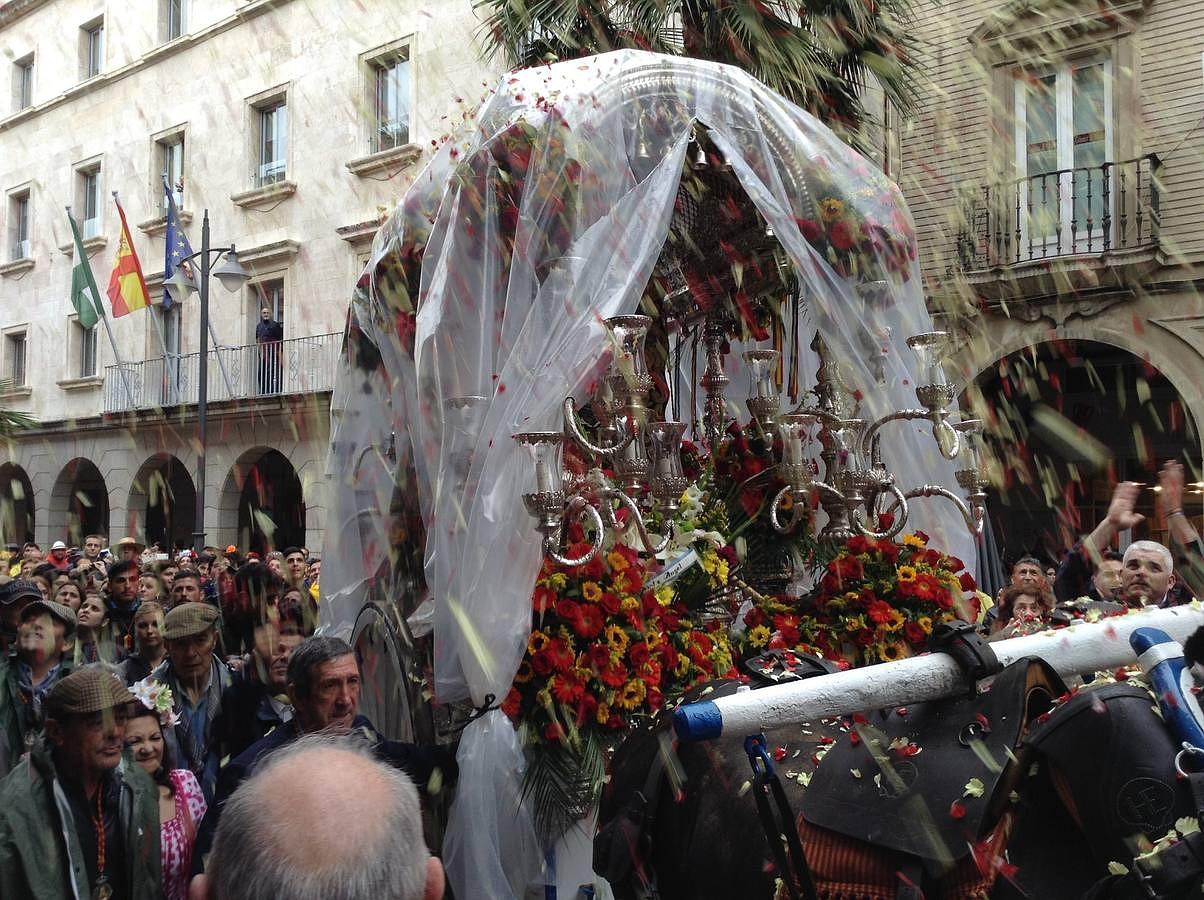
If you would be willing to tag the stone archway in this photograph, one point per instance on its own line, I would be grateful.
(17, 506)
(1065, 420)
(79, 503)
(162, 503)
(264, 494)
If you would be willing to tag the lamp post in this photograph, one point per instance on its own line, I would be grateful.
(232, 276)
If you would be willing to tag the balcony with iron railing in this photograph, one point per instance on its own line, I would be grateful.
(1088, 216)
(304, 365)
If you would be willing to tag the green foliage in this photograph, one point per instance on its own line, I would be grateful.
(819, 53)
(562, 783)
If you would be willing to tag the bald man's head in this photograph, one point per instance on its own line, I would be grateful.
(323, 818)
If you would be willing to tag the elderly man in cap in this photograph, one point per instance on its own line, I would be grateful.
(75, 822)
(28, 677)
(197, 678)
(12, 602)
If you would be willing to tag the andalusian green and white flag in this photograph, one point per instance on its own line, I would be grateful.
(84, 295)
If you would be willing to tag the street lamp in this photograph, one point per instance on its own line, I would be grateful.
(232, 276)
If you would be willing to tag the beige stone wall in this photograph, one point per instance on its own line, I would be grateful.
(204, 82)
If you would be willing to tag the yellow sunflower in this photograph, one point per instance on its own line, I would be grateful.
(591, 591)
(633, 694)
(524, 673)
(911, 540)
(629, 603)
(830, 209)
(664, 595)
(907, 573)
(618, 562)
(894, 622)
(925, 623)
(536, 642)
(617, 639)
(758, 636)
(602, 714)
(892, 650)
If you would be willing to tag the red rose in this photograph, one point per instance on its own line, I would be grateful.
(613, 676)
(610, 603)
(566, 609)
(512, 704)
(597, 657)
(966, 580)
(587, 705)
(858, 544)
(841, 236)
(754, 617)
(810, 229)
(541, 663)
(864, 637)
(952, 564)
(914, 634)
(639, 654)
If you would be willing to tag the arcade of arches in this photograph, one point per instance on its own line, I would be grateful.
(1066, 420)
(262, 504)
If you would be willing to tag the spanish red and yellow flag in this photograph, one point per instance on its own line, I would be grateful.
(127, 288)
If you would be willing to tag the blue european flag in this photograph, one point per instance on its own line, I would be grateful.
(177, 248)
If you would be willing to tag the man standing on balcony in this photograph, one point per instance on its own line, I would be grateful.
(268, 335)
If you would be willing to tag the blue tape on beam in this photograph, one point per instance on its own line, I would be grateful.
(698, 721)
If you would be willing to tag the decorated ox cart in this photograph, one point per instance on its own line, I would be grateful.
(639, 382)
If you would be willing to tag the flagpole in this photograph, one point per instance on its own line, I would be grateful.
(217, 347)
(100, 314)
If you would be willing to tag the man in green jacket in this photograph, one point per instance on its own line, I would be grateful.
(75, 822)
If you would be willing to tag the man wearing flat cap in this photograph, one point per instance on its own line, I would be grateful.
(12, 602)
(75, 821)
(197, 678)
(26, 678)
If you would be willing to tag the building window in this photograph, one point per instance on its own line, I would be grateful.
(1063, 140)
(23, 83)
(18, 225)
(15, 351)
(83, 346)
(272, 155)
(91, 49)
(174, 18)
(87, 184)
(169, 153)
(391, 89)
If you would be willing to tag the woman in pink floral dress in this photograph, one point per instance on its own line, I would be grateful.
(181, 803)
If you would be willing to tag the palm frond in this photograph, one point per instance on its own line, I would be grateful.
(562, 783)
(11, 420)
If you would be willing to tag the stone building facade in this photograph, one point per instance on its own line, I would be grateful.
(296, 125)
(1054, 171)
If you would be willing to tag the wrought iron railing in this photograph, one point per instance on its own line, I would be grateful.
(1091, 210)
(303, 365)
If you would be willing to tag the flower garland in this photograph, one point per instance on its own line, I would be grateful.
(608, 644)
(877, 601)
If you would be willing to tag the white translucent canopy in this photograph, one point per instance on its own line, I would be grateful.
(492, 280)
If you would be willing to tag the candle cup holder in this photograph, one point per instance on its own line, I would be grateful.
(764, 403)
(629, 377)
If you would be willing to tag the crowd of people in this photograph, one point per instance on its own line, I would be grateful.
(139, 692)
(1093, 579)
